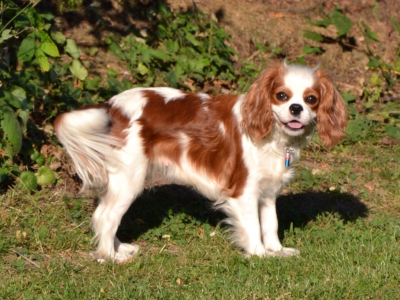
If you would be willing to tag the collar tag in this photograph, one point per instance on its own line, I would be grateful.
(287, 156)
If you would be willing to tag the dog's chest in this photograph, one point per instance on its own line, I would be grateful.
(275, 168)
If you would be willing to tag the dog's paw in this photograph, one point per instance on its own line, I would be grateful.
(284, 252)
(101, 259)
(122, 253)
(126, 252)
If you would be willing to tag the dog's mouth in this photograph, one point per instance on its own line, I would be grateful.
(294, 125)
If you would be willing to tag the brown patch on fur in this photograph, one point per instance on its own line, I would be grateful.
(332, 113)
(316, 94)
(258, 119)
(205, 129)
(118, 124)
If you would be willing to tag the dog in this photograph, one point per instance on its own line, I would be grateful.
(236, 150)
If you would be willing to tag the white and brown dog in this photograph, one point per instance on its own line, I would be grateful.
(234, 149)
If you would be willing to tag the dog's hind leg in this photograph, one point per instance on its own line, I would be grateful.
(124, 186)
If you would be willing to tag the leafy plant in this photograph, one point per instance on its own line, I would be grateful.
(33, 77)
(186, 48)
(342, 24)
(380, 81)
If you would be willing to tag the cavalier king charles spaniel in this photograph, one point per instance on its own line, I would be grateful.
(237, 150)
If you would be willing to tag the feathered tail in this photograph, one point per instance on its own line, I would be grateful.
(84, 135)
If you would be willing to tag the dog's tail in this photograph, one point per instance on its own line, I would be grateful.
(85, 136)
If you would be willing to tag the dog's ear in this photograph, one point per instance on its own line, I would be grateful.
(332, 112)
(257, 118)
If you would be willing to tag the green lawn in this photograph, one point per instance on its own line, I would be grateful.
(342, 212)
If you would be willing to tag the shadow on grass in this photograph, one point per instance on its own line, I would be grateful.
(155, 204)
(302, 208)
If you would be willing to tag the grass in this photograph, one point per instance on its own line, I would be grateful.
(342, 212)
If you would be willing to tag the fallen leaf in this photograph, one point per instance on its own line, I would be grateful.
(369, 187)
(316, 171)
(277, 15)
(201, 231)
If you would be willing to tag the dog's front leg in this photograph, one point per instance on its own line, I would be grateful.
(269, 229)
(243, 216)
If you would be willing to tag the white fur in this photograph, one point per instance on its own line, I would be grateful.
(298, 78)
(86, 132)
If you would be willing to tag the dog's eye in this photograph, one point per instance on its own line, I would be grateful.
(281, 96)
(311, 99)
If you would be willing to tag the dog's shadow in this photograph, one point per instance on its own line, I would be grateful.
(157, 203)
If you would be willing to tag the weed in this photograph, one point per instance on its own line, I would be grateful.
(183, 50)
(31, 49)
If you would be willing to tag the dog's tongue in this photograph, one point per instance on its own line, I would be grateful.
(295, 125)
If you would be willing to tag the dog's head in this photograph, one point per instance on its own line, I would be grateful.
(295, 98)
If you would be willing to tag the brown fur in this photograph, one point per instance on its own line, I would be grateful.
(208, 149)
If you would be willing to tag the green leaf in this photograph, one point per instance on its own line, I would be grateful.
(342, 23)
(312, 35)
(78, 70)
(27, 180)
(38, 158)
(20, 94)
(21, 21)
(58, 37)
(191, 38)
(308, 49)
(142, 69)
(47, 16)
(112, 73)
(392, 131)
(45, 176)
(47, 45)
(159, 55)
(42, 60)
(348, 97)
(12, 131)
(372, 35)
(172, 46)
(357, 129)
(92, 51)
(5, 35)
(92, 84)
(172, 79)
(115, 85)
(26, 50)
(374, 63)
(12, 100)
(321, 23)
(72, 49)
(24, 116)
(301, 60)
(35, 19)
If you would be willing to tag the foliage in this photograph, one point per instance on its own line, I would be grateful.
(380, 81)
(183, 49)
(34, 77)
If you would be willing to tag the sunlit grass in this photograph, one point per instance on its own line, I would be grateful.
(343, 216)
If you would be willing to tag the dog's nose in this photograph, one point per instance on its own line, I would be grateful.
(295, 109)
